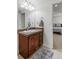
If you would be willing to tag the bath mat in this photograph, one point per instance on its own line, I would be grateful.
(43, 53)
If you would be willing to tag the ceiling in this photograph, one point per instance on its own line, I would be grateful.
(38, 3)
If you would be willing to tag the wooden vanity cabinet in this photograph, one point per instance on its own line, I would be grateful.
(29, 44)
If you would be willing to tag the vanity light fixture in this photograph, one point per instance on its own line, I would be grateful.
(30, 7)
(27, 5)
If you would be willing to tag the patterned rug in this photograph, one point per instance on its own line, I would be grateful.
(43, 53)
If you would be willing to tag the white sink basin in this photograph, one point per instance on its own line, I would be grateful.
(30, 31)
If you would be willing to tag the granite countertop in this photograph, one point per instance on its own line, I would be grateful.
(30, 32)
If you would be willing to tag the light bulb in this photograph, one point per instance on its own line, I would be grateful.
(31, 7)
(25, 4)
(56, 5)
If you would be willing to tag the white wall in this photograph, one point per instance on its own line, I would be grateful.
(48, 32)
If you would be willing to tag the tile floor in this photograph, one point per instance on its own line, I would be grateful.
(45, 53)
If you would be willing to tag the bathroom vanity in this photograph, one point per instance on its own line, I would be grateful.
(30, 41)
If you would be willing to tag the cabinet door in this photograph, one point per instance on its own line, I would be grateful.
(36, 41)
(41, 38)
(33, 43)
(23, 45)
